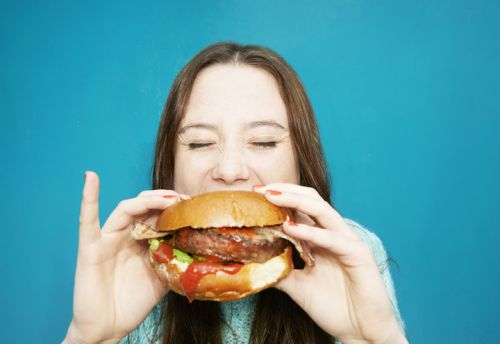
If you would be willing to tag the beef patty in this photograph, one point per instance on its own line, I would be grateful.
(230, 244)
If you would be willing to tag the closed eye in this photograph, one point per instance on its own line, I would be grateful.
(266, 144)
(196, 145)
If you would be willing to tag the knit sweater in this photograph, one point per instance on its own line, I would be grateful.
(238, 315)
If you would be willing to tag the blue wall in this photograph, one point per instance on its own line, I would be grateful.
(407, 96)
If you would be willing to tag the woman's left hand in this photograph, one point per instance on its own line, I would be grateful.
(344, 292)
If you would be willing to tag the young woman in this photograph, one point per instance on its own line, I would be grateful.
(237, 117)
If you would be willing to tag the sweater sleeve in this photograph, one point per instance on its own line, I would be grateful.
(380, 255)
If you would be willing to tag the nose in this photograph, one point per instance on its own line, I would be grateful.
(231, 168)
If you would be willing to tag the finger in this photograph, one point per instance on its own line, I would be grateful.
(127, 210)
(162, 192)
(332, 241)
(300, 217)
(315, 207)
(89, 211)
(319, 210)
(290, 282)
(287, 187)
(157, 192)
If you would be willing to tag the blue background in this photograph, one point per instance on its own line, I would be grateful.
(406, 93)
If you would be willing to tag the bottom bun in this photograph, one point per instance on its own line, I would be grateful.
(221, 286)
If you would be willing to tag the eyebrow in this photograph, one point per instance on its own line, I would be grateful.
(198, 126)
(212, 127)
(274, 124)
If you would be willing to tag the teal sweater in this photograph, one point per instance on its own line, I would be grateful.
(238, 315)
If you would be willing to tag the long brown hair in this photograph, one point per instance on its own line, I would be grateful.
(277, 318)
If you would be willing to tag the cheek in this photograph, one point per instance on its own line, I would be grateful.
(276, 166)
(190, 171)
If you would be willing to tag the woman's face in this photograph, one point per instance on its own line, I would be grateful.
(234, 133)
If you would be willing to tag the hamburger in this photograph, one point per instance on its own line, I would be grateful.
(221, 246)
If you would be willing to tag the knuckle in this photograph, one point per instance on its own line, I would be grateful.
(151, 202)
(144, 193)
(312, 191)
(324, 206)
(123, 204)
(85, 220)
(82, 221)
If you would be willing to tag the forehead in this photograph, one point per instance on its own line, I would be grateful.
(227, 92)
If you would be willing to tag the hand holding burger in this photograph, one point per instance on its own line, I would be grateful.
(115, 287)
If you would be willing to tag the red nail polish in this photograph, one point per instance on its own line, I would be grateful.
(258, 185)
(274, 192)
(291, 223)
(168, 196)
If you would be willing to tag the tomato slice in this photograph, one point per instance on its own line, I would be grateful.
(164, 253)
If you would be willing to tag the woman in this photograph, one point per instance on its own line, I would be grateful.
(237, 117)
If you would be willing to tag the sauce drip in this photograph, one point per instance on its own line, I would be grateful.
(197, 270)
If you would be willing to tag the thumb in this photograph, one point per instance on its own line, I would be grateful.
(295, 286)
(89, 211)
(290, 282)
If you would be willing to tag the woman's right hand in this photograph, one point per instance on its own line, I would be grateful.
(115, 287)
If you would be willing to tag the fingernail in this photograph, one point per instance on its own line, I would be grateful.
(274, 192)
(258, 186)
(169, 196)
(85, 176)
(291, 223)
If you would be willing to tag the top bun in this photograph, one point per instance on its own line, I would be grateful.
(222, 209)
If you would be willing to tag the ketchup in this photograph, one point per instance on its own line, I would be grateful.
(164, 253)
(197, 270)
